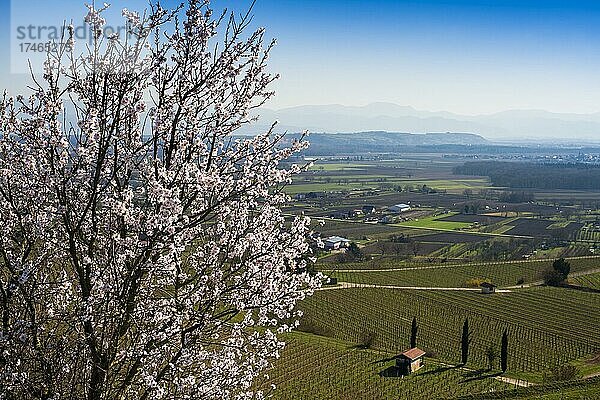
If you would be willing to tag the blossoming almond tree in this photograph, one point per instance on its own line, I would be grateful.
(143, 252)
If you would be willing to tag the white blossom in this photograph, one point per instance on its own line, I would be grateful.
(143, 249)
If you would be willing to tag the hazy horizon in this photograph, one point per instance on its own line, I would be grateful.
(362, 105)
(466, 57)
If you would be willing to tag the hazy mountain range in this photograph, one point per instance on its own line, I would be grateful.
(522, 125)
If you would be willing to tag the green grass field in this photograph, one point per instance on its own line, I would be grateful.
(327, 187)
(435, 223)
(319, 166)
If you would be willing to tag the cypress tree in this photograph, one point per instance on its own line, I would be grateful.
(413, 333)
(504, 352)
(465, 341)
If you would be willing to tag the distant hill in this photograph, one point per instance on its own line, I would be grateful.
(386, 142)
(508, 125)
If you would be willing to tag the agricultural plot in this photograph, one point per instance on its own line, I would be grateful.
(376, 263)
(591, 281)
(450, 185)
(435, 222)
(501, 274)
(451, 237)
(472, 218)
(576, 251)
(589, 234)
(541, 228)
(304, 187)
(403, 249)
(530, 227)
(546, 326)
(339, 167)
(318, 368)
(355, 230)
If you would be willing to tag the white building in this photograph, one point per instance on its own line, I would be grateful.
(399, 208)
(336, 242)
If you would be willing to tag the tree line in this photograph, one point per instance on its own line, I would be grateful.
(526, 175)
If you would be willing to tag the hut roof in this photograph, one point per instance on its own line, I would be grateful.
(413, 353)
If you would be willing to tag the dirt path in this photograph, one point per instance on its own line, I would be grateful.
(441, 266)
(514, 382)
(408, 226)
(461, 231)
(510, 381)
(506, 289)
(347, 285)
(540, 283)
(590, 376)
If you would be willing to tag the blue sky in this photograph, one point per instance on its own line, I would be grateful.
(465, 56)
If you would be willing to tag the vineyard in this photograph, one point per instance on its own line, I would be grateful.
(502, 274)
(320, 368)
(589, 234)
(547, 326)
(591, 281)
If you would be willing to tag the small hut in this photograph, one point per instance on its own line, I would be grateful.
(488, 288)
(410, 361)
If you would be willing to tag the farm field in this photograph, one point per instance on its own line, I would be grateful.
(336, 176)
(437, 222)
(589, 234)
(540, 228)
(356, 230)
(471, 218)
(591, 281)
(414, 248)
(501, 274)
(453, 237)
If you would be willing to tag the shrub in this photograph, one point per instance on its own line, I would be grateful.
(475, 282)
(367, 340)
(552, 277)
(563, 267)
(491, 353)
(562, 373)
(310, 326)
(430, 353)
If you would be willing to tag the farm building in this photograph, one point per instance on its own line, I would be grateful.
(355, 213)
(368, 209)
(336, 242)
(310, 195)
(410, 361)
(399, 208)
(488, 288)
(340, 215)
